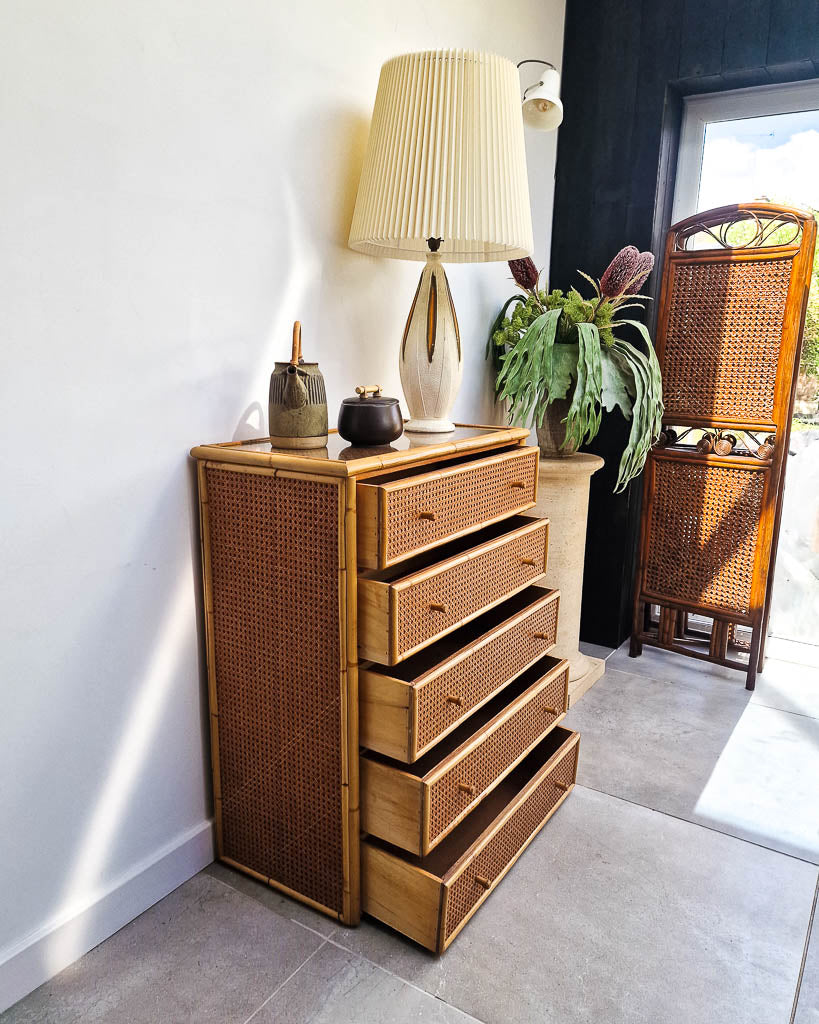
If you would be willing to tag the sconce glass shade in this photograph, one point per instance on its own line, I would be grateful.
(445, 159)
(542, 109)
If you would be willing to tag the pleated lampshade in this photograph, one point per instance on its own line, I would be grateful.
(445, 159)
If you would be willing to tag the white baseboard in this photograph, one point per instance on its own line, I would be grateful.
(28, 963)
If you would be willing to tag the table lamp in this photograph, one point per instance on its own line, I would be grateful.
(444, 178)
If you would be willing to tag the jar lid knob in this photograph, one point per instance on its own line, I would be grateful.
(368, 389)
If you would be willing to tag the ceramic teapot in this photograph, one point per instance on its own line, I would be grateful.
(297, 402)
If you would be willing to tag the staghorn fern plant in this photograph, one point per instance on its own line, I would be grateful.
(548, 346)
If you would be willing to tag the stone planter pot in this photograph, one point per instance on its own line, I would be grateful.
(552, 431)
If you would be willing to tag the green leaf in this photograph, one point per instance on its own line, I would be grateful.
(618, 384)
(583, 420)
(492, 351)
(564, 370)
(647, 410)
(525, 376)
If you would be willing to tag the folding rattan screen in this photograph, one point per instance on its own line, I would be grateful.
(732, 310)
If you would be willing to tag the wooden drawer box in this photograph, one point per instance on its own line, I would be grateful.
(405, 608)
(431, 898)
(416, 807)
(402, 513)
(406, 709)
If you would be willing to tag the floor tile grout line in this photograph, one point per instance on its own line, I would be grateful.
(804, 955)
(392, 974)
(698, 824)
(279, 987)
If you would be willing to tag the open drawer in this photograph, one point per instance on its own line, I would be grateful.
(405, 710)
(404, 608)
(416, 806)
(431, 898)
(399, 514)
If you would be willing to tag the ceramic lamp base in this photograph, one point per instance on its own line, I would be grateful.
(419, 426)
(430, 360)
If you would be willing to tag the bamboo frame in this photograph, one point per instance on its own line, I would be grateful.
(307, 461)
(670, 635)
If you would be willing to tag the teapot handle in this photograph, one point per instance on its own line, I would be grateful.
(295, 358)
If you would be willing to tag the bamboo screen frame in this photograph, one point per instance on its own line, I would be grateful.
(766, 332)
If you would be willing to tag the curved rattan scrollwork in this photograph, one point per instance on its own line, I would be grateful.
(753, 226)
(717, 442)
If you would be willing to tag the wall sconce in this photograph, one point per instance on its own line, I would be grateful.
(542, 109)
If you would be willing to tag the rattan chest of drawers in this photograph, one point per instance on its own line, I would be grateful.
(393, 589)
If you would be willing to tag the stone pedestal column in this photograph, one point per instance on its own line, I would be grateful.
(563, 498)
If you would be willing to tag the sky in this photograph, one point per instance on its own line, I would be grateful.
(776, 156)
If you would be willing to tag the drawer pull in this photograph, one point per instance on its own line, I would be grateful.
(518, 484)
(527, 561)
(438, 608)
(427, 515)
(464, 787)
(484, 883)
(542, 636)
(453, 698)
(562, 786)
(550, 711)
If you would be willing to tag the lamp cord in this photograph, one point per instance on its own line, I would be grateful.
(546, 63)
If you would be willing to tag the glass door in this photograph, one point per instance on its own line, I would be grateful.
(735, 147)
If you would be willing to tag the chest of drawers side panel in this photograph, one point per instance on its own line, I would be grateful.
(282, 678)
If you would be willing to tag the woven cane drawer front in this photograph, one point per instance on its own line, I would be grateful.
(439, 603)
(422, 511)
(430, 898)
(723, 337)
(493, 859)
(702, 533)
(504, 742)
(452, 694)
(407, 709)
(276, 653)
(415, 806)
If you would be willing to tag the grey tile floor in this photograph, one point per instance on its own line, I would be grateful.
(675, 886)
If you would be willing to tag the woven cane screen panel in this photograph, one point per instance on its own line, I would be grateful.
(467, 588)
(465, 892)
(722, 339)
(477, 495)
(702, 533)
(274, 574)
(485, 763)
(484, 670)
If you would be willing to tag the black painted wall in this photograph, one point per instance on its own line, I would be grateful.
(626, 65)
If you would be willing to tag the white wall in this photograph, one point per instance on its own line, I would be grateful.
(176, 186)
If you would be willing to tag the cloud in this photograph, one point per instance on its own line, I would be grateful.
(734, 171)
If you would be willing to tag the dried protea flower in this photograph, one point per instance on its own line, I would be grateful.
(643, 267)
(619, 273)
(525, 273)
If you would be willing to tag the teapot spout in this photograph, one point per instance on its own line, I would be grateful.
(295, 390)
